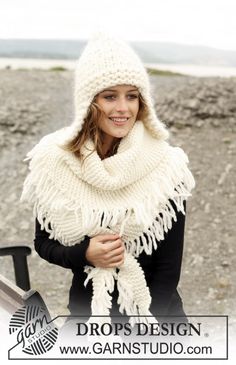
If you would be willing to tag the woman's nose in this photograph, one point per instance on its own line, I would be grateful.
(122, 105)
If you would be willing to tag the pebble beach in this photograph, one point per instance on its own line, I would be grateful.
(201, 116)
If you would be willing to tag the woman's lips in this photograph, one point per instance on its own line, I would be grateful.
(119, 121)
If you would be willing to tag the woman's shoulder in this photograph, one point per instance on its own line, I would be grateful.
(48, 147)
(49, 167)
(177, 152)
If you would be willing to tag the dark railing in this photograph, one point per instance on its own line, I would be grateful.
(19, 255)
(13, 296)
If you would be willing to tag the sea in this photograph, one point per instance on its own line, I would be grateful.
(186, 69)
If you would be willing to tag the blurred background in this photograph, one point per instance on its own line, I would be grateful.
(189, 49)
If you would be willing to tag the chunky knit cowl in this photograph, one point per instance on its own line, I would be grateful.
(128, 193)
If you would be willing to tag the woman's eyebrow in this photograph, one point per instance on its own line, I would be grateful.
(116, 90)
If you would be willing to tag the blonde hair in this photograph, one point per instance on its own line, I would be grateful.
(91, 130)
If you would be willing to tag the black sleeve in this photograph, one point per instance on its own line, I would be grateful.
(72, 257)
(166, 265)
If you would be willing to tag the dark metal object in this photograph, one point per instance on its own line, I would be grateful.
(19, 255)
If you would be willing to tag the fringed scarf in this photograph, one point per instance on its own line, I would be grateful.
(128, 193)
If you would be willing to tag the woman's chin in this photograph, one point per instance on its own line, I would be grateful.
(121, 132)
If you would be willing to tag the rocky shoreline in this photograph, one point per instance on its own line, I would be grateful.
(201, 115)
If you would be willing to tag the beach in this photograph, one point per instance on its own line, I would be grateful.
(185, 69)
(201, 116)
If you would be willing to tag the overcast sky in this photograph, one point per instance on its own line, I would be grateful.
(203, 22)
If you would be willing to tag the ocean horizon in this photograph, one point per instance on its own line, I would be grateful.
(185, 69)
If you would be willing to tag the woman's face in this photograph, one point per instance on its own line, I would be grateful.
(120, 105)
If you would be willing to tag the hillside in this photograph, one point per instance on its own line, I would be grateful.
(150, 52)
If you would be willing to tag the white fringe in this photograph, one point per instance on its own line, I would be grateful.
(152, 220)
(134, 296)
(100, 202)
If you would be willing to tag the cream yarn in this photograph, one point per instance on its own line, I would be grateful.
(105, 62)
(127, 193)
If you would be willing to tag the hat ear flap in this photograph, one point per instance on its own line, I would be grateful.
(107, 62)
(157, 128)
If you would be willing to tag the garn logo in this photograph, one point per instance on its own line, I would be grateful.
(35, 332)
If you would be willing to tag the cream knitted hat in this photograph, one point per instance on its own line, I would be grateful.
(129, 193)
(105, 62)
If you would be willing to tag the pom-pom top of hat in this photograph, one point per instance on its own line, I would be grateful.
(108, 61)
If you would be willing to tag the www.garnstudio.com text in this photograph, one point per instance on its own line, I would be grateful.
(135, 348)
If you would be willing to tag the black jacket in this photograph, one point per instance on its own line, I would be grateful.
(162, 270)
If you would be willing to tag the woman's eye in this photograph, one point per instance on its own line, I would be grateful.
(132, 96)
(109, 97)
(112, 97)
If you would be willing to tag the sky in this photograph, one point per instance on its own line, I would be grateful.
(195, 22)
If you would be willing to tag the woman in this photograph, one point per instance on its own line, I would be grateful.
(109, 192)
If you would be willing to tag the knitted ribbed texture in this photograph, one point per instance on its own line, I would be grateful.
(105, 62)
(128, 193)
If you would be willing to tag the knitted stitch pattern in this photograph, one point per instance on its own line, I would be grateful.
(105, 62)
(128, 193)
